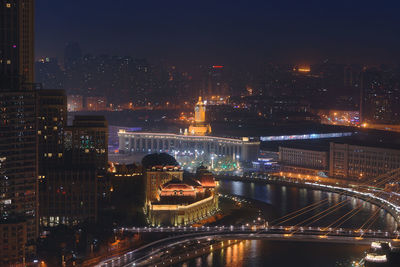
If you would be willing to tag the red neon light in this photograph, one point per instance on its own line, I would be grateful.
(218, 67)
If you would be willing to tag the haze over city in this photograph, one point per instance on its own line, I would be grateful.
(211, 32)
(199, 133)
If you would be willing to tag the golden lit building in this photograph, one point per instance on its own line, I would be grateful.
(200, 127)
(174, 200)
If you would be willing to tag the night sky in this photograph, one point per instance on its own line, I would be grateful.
(223, 32)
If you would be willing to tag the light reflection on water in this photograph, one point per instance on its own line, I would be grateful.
(279, 253)
(280, 200)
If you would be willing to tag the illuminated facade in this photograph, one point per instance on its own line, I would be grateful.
(157, 176)
(172, 200)
(200, 127)
(244, 149)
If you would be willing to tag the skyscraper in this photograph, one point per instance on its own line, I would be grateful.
(16, 43)
(18, 129)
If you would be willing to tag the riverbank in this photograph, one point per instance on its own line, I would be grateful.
(365, 194)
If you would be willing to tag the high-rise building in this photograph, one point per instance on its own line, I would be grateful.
(18, 129)
(52, 119)
(18, 171)
(376, 99)
(86, 142)
(361, 161)
(16, 43)
(71, 159)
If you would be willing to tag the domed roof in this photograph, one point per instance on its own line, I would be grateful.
(159, 159)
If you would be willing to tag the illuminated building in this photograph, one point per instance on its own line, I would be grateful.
(157, 176)
(195, 143)
(351, 161)
(244, 149)
(18, 141)
(200, 127)
(172, 199)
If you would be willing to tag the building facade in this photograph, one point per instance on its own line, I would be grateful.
(72, 159)
(306, 158)
(18, 129)
(244, 149)
(200, 126)
(358, 162)
(52, 120)
(68, 196)
(18, 168)
(173, 200)
(86, 142)
(157, 176)
(16, 43)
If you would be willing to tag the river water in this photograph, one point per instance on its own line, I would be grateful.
(279, 201)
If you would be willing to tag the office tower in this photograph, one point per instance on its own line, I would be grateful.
(18, 174)
(68, 195)
(18, 128)
(52, 119)
(86, 142)
(70, 159)
(376, 97)
(16, 43)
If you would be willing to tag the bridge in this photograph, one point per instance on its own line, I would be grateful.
(156, 251)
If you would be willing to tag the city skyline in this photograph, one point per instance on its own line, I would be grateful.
(225, 33)
(199, 133)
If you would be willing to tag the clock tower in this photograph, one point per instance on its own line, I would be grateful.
(200, 127)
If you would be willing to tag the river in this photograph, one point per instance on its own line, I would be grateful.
(279, 201)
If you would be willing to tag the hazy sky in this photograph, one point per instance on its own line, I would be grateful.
(220, 32)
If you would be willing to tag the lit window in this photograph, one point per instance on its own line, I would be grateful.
(60, 155)
(8, 5)
(8, 62)
(50, 155)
